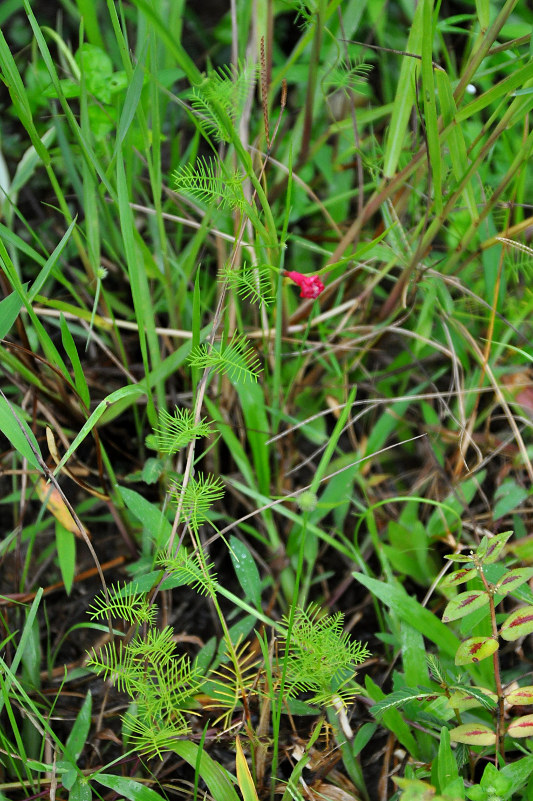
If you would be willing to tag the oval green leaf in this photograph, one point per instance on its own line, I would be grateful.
(518, 624)
(475, 649)
(473, 734)
(521, 727)
(464, 603)
(522, 696)
(513, 579)
(459, 577)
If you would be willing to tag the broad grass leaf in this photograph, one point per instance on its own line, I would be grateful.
(149, 515)
(11, 426)
(9, 311)
(66, 553)
(80, 730)
(246, 571)
(210, 771)
(244, 777)
(447, 770)
(129, 788)
(410, 610)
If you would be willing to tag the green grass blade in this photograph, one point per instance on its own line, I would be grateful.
(210, 771)
(430, 104)
(405, 97)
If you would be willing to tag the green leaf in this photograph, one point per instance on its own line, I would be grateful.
(523, 696)
(129, 788)
(50, 263)
(210, 771)
(518, 624)
(79, 375)
(475, 649)
(464, 603)
(18, 432)
(80, 730)
(459, 577)
(513, 579)
(80, 790)
(447, 770)
(9, 311)
(473, 734)
(510, 495)
(490, 548)
(405, 97)
(521, 727)
(66, 554)
(393, 720)
(118, 394)
(149, 515)
(246, 571)
(408, 609)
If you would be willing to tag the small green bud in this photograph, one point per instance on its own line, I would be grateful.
(307, 501)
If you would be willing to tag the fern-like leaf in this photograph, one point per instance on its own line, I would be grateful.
(227, 685)
(236, 359)
(346, 75)
(124, 603)
(197, 498)
(153, 737)
(250, 283)
(207, 185)
(321, 657)
(401, 697)
(191, 570)
(219, 100)
(175, 431)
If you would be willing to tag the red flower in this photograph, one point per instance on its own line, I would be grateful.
(311, 285)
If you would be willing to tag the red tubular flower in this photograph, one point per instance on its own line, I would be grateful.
(311, 285)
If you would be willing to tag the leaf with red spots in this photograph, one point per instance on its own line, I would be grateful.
(513, 579)
(473, 734)
(475, 649)
(521, 727)
(518, 624)
(464, 603)
(522, 696)
(490, 548)
(459, 577)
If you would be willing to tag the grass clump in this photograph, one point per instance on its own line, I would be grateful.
(266, 350)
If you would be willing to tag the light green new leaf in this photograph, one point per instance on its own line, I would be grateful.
(66, 555)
